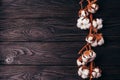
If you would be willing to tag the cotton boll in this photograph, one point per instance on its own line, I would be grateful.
(86, 21)
(83, 13)
(88, 25)
(94, 23)
(88, 56)
(95, 6)
(99, 26)
(101, 41)
(90, 38)
(80, 19)
(98, 75)
(94, 74)
(78, 25)
(94, 44)
(80, 63)
(93, 56)
(79, 73)
(91, 10)
(96, 70)
(84, 76)
(83, 23)
(85, 72)
(99, 21)
(84, 59)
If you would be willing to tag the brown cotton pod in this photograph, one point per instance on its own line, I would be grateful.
(86, 53)
(88, 56)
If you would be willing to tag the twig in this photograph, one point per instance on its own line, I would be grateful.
(82, 48)
(91, 67)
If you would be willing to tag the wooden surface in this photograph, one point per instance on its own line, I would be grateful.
(39, 40)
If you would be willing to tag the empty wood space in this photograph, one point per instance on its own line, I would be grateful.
(39, 39)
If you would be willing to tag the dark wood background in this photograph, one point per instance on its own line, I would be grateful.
(39, 39)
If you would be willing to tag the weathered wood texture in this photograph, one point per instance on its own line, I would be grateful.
(50, 30)
(31, 20)
(60, 53)
(39, 39)
(50, 73)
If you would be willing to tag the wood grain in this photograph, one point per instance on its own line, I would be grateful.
(52, 8)
(23, 20)
(36, 8)
(39, 39)
(61, 53)
(37, 73)
(51, 73)
(53, 30)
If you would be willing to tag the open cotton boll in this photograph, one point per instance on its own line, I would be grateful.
(84, 59)
(84, 76)
(83, 23)
(96, 70)
(94, 74)
(93, 8)
(88, 56)
(99, 26)
(85, 72)
(94, 44)
(90, 38)
(83, 13)
(98, 75)
(80, 19)
(101, 41)
(93, 56)
(86, 21)
(94, 23)
(80, 71)
(80, 63)
(97, 23)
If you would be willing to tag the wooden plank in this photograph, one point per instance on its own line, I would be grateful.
(51, 73)
(22, 20)
(51, 53)
(50, 30)
(36, 8)
(37, 73)
(52, 8)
